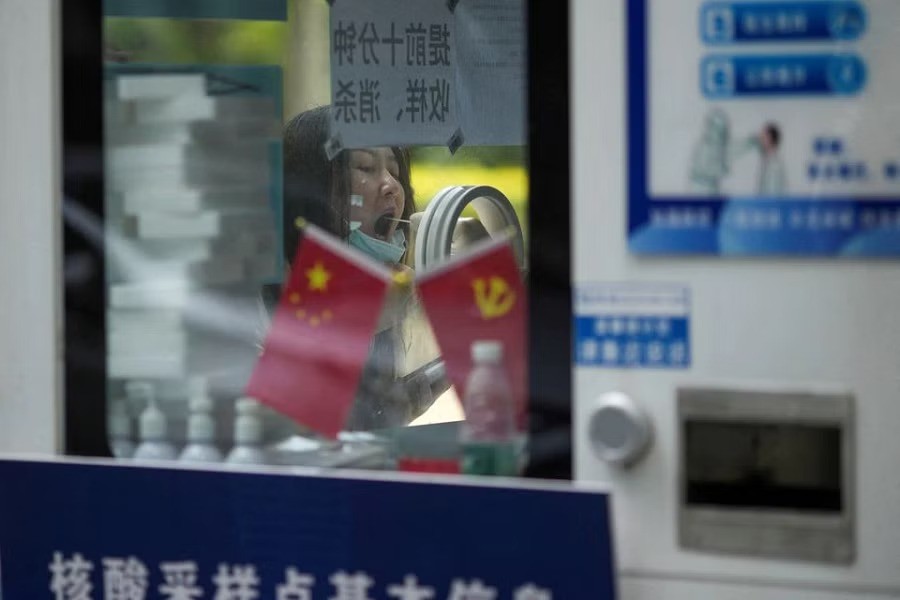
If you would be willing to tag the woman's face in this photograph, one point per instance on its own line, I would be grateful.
(376, 195)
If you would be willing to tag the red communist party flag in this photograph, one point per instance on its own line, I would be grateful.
(479, 296)
(319, 338)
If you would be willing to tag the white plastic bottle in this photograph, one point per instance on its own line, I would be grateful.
(488, 436)
(201, 445)
(248, 436)
(118, 427)
(153, 432)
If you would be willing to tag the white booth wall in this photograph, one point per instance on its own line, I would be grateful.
(30, 239)
(759, 322)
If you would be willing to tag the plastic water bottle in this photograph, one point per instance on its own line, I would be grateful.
(153, 431)
(488, 436)
(118, 426)
(248, 434)
(201, 445)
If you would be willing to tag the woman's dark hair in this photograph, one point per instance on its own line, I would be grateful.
(318, 188)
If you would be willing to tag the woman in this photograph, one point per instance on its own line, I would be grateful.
(362, 196)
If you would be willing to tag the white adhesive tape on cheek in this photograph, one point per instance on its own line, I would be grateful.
(356, 200)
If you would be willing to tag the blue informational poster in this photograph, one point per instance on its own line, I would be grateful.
(764, 128)
(76, 530)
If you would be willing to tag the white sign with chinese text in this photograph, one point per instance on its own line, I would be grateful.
(392, 73)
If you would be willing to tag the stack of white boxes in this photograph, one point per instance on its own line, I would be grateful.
(190, 230)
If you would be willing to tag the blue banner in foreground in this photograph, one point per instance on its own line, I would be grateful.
(95, 530)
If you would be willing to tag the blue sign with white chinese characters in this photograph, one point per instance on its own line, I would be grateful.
(92, 530)
(724, 76)
(739, 136)
(742, 22)
(632, 325)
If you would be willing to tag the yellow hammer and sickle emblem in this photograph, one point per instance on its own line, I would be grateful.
(493, 297)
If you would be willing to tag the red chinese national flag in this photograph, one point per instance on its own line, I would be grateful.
(319, 338)
(479, 296)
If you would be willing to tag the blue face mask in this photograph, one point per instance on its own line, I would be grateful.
(389, 252)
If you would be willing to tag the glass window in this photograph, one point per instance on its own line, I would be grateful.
(231, 131)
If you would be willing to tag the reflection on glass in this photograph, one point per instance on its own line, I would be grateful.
(204, 187)
(190, 173)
